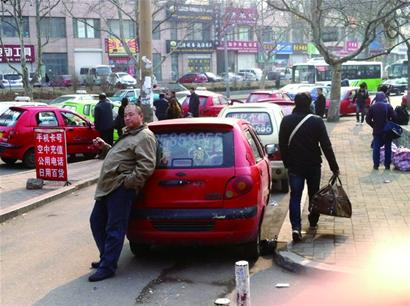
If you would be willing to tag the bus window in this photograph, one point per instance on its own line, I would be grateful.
(304, 74)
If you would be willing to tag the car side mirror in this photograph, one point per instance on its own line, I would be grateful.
(271, 149)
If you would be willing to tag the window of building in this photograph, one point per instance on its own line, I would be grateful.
(206, 31)
(195, 32)
(86, 28)
(156, 30)
(56, 64)
(53, 27)
(244, 33)
(174, 30)
(174, 66)
(8, 27)
(156, 64)
(128, 26)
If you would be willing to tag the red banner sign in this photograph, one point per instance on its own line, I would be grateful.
(51, 154)
(240, 46)
(12, 53)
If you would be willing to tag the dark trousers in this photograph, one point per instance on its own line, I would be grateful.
(360, 109)
(297, 183)
(378, 141)
(108, 136)
(109, 222)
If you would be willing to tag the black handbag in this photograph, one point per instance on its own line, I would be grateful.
(332, 200)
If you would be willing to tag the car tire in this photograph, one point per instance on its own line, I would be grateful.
(9, 160)
(284, 186)
(139, 249)
(90, 155)
(252, 250)
(29, 159)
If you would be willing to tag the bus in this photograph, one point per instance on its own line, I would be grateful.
(316, 71)
(398, 69)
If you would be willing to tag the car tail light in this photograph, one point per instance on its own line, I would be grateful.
(7, 135)
(238, 186)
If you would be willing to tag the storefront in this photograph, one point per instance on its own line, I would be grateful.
(241, 55)
(118, 56)
(11, 55)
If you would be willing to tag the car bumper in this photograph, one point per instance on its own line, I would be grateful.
(9, 150)
(193, 226)
(279, 172)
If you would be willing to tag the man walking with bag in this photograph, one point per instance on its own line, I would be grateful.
(301, 136)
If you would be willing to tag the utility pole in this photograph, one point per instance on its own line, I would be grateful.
(145, 44)
(225, 28)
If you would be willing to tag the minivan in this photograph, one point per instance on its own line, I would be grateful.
(256, 71)
(95, 75)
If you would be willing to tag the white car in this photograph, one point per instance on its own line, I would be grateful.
(19, 101)
(266, 119)
(122, 79)
(10, 80)
(74, 97)
(256, 71)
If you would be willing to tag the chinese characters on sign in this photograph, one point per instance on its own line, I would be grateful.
(115, 47)
(190, 46)
(51, 154)
(240, 46)
(12, 53)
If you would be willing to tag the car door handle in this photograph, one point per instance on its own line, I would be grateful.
(174, 182)
(70, 129)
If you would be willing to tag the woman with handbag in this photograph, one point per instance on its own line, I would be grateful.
(380, 113)
(301, 136)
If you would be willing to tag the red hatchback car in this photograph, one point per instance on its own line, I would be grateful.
(17, 132)
(346, 101)
(210, 103)
(194, 77)
(210, 188)
(272, 96)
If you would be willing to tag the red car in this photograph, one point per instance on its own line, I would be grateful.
(210, 103)
(17, 132)
(194, 77)
(272, 96)
(346, 101)
(211, 187)
(64, 80)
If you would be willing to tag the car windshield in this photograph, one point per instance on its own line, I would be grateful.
(258, 96)
(103, 71)
(119, 93)
(261, 121)
(196, 149)
(12, 77)
(62, 99)
(10, 117)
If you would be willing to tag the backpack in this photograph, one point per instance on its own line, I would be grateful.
(402, 115)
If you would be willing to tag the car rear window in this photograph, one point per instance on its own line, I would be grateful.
(10, 117)
(196, 149)
(257, 97)
(261, 121)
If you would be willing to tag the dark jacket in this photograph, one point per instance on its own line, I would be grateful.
(361, 96)
(161, 107)
(378, 115)
(103, 116)
(402, 115)
(194, 105)
(320, 105)
(304, 150)
(119, 123)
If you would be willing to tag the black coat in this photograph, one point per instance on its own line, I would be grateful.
(304, 150)
(194, 105)
(103, 116)
(320, 105)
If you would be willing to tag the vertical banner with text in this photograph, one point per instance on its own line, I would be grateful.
(51, 154)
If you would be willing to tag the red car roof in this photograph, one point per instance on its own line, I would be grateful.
(202, 121)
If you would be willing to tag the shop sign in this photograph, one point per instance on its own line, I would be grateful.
(240, 46)
(114, 46)
(300, 48)
(50, 154)
(352, 45)
(240, 16)
(279, 48)
(190, 12)
(12, 53)
(190, 46)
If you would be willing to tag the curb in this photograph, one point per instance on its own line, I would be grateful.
(18, 209)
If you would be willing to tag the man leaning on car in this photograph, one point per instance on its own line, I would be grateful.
(127, 166)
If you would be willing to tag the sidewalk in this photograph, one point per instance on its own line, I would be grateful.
(16, 199)
(380, 201)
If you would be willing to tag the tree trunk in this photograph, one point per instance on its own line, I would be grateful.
(334, 109)
(408, 75)
(262, 83)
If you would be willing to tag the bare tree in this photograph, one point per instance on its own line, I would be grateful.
(364, 17)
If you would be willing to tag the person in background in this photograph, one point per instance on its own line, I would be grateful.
(320, 104)
(402, 113)
(384, 89)
(161, 107)
(193, 103)
(119, 121)
(127, 166)
(379, 113)
(360, 99)
(302, 157)
(103, 119)
(174, 108)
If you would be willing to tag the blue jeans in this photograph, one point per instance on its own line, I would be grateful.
(378, 141)
(109, 222)
(297, 184)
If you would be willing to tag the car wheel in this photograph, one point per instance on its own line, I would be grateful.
(9, 160)
(284, 185)
(28, 159)
(90, 155)
(139, 249)
(251, 250)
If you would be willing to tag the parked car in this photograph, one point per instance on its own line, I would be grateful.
(95, 75)
(122, 80)
(17, 132)
(211, 187)
(73, 97)
(19, 101)
(266, 119)
(64, 80)
(210, 103)
(256, 71)
(212, 77)
(346, 101)
(131, 93)
(194, 77)
(232, 77)
(11, 80)
(257, 95)
(247, 76)
(292, 89)
(396, 86)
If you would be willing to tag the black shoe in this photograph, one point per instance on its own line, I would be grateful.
(296, 236)
(376, 167)
(95, 264)
(387, 167)
(100, 275)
